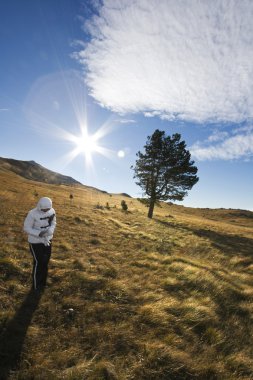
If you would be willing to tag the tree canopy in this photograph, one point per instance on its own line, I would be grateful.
(165, 170)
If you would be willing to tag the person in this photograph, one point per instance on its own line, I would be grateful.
(40, 224)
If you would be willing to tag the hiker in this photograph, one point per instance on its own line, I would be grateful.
(40, 225)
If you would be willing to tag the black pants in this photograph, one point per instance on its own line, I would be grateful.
(41, 256)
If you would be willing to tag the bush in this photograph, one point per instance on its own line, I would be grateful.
(124, 206)
(99, 206)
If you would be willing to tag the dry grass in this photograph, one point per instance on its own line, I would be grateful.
(128, 298)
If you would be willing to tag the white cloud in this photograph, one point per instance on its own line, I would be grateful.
(238, 145)
(188, 60)
(125, 121)
(4, 109)
(217, 136)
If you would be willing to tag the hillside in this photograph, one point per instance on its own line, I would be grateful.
(128, 298)
(33, 171)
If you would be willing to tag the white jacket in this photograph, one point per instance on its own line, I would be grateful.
(37, 221)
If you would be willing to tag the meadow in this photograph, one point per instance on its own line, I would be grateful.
(128, 298)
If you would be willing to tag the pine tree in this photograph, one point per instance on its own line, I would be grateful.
(165, 170)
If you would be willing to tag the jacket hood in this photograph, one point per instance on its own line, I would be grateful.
(44, 203)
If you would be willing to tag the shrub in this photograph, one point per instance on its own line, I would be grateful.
(124, 206)
(99, 206)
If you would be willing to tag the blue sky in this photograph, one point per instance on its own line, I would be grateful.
(123, 69)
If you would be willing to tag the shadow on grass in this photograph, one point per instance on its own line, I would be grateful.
(13, 335)
(231, 244)
(228, 243)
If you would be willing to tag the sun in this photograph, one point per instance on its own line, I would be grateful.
(87, 144)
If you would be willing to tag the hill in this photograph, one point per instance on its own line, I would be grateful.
(127, 297)
(33, 171)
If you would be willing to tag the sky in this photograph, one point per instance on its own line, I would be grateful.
(84, 83)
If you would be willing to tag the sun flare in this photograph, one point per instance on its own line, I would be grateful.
(86, 144)
(69, 119)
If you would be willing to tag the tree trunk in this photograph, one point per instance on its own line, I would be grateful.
(151, 208)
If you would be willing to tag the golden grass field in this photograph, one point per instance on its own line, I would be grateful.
(128, 298)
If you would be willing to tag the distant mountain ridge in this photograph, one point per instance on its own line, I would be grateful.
(35, 172)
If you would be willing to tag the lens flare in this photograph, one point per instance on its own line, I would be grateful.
(57, 107)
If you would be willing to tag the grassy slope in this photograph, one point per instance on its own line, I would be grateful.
(168, 298)
(33, 171)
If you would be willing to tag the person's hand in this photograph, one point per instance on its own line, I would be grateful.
(47, 242)
(43, 233)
